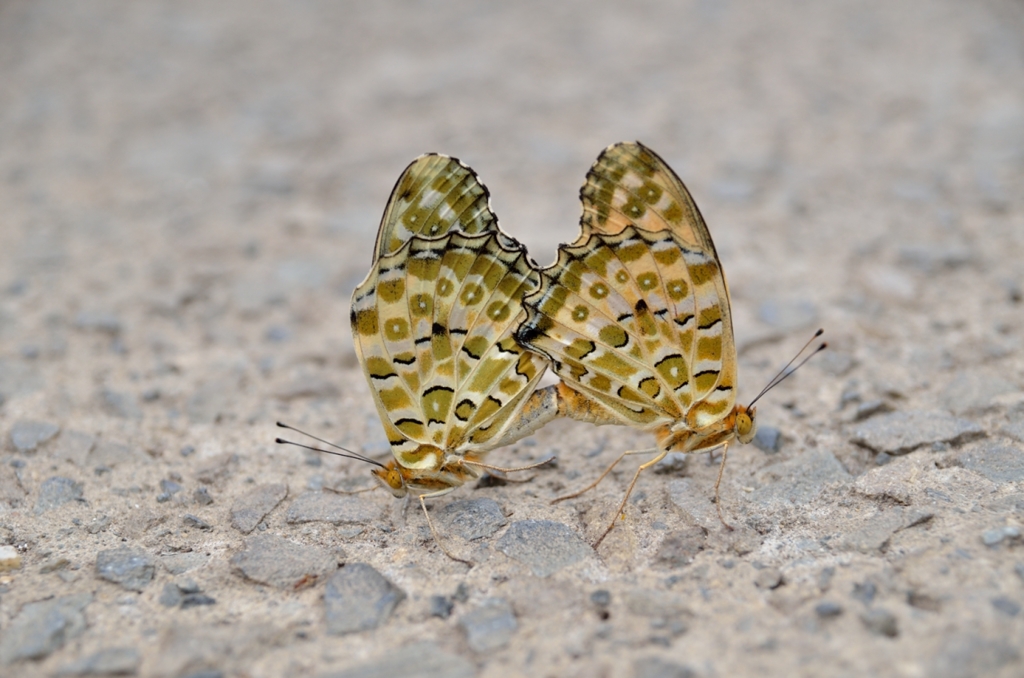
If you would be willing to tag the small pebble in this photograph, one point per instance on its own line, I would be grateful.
(28, 435)
(880, 622)
(441, 606)
(358, 598)
(57, 491)
(132, 569)
(190, 520)
(768, 439)
(249, 510)
(828, 609)
(272, 560)
(43, 627)
(998, 535)
(656, 667)
(768, 578)
(489, 626)
(196, 600)
(1008, 607)
(201, 496)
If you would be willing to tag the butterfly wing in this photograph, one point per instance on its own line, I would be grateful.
(635, 314)
(435, 194)
(433, 324)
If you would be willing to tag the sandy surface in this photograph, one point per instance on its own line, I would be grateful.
(189, 193)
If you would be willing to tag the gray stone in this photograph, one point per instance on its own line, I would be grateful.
(12, 493)
(201, 496)
(269, 559)
(880, 622)
(98, 321)
(170, 596)
(656, 667)
(251, 508)
(768, 439)
(114, 661)
(870, 408)
(1014, 430)
(828, 609)
(769, 578)
(1007, 606)
(680, 547)
(329, 507)
(973, 391)
(120, 404)
(74, 446)
(190, 520)
(472, 518)
(130, 568)
(57, 491)
(998, 535)
(902, 432)
(999, 463)
(543, 545)
(674, 464)
(111, 453)
(870, 534)
(43, 627)
(27, 435)
(419, 660)
(196, 600)
(441, 606)
(358, 598)
(218, 468)
(965, 654)
(489, 626)
(800, 479)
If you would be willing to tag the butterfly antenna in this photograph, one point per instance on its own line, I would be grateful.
(345, 452)
(786, 371)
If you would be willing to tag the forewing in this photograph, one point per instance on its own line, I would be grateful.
(435, 195)
(630, 185)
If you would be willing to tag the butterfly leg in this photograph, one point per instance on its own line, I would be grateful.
(629, 490)
(718, 498)
(503, 470)
(430, 524)
(602, 476)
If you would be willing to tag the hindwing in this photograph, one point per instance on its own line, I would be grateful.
(433, 324)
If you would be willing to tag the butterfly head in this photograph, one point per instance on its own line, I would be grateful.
(391, 478)
(746, 423)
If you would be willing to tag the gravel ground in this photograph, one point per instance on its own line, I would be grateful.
(189, 192)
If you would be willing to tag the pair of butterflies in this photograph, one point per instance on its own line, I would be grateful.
(455, 325)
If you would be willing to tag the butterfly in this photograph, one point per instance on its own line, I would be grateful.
(635, 315)
(433, 324)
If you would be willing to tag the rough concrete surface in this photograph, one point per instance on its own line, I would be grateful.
(189, 192)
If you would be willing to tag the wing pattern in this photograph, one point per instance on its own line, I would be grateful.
(635, 314)
(433, 325)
